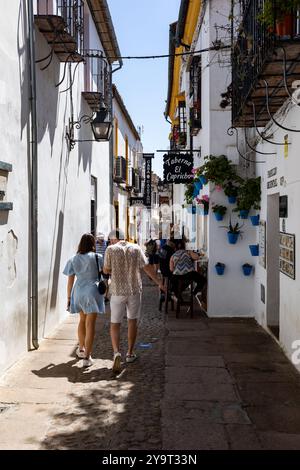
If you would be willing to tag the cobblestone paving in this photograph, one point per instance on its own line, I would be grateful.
(109, 412)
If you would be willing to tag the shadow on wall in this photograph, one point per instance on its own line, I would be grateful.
(85, 148)
(57, 260)
(45, 80)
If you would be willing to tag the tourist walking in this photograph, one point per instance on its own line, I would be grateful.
(124, 262)
(83, 295)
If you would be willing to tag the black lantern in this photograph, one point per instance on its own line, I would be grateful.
(101, 125)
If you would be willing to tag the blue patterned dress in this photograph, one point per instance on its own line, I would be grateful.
(85, 296)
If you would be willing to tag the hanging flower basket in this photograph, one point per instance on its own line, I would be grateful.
(233, 237)
(247, 269)
(254, 219)
(220, 268)
(254, 250)
(232, 199)
(244, 214)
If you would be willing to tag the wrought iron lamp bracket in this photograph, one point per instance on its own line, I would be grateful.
(86, 119)
(269, 113)
(230, 131)
(261, 133)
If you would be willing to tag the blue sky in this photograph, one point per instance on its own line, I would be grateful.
(142, 28)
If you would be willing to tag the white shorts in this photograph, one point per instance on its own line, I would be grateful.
(121, 304)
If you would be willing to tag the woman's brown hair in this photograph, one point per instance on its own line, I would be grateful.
(86, 244)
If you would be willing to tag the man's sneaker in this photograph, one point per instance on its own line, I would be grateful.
(116, 368)
(87, 362)
(80, 353)
(131, 357)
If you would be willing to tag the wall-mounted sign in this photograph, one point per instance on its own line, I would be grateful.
(136, 201)
(164, 200)
(272, 184)
(148, 176)
(287, 254)
(283, 207)
(262, 243)
(272, 172)
(178, 168)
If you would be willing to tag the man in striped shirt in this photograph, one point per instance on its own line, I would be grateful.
(101, 244)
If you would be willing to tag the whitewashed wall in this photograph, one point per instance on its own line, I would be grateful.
(288, 168)
(64, 184)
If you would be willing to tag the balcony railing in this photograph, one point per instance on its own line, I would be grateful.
(61, 22)
(120, 175)
(96, 83)
(258, 55)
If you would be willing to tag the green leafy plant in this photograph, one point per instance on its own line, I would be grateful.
(231, 190)
(220, 265)
(217, 169)
(219, 209)
(233, 228)
(249, 195)
(276, 10)
(188, 195)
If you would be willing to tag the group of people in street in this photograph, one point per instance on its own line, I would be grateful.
(122, 263)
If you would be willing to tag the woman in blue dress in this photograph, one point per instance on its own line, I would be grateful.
(83, 296)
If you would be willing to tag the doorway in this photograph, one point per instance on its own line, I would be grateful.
(93, 205)
(273, 274)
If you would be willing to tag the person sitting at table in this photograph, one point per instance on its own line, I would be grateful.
(182, 268)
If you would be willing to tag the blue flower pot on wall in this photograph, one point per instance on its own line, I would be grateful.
(203, 179)
(244, 214)
(205, 212)
(218, 216)
(232, 237)
(220, 268)
(247, 269)
(232, 199)
(254, 250)
(254, 219)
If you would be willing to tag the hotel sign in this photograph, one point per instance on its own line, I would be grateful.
(148, 178)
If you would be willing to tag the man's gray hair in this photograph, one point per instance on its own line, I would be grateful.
(117, 234)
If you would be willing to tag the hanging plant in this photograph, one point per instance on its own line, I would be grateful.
(249, 195)
(218, 209)
(204, 201)
(188, 195)
(218, 170)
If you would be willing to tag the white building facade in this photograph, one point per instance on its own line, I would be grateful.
(73, 171)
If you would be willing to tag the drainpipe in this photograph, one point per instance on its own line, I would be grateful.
(111, 142)
(34, 177)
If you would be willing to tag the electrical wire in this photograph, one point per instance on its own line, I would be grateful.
(178, 54)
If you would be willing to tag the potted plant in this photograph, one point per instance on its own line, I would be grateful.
(278, 14)
(249, 195)
(205, 202)
(254, 250)
(203, 179)
(247, 269)
(233, 232)
(217, 169)
(231, 191)
(220, 268)
(219, 211)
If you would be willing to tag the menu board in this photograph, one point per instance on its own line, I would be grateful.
(287, 255)
(262, 243)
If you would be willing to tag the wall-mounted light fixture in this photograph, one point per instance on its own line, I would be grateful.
(100, 122)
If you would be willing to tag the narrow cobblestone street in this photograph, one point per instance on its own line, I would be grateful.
(198, 384)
